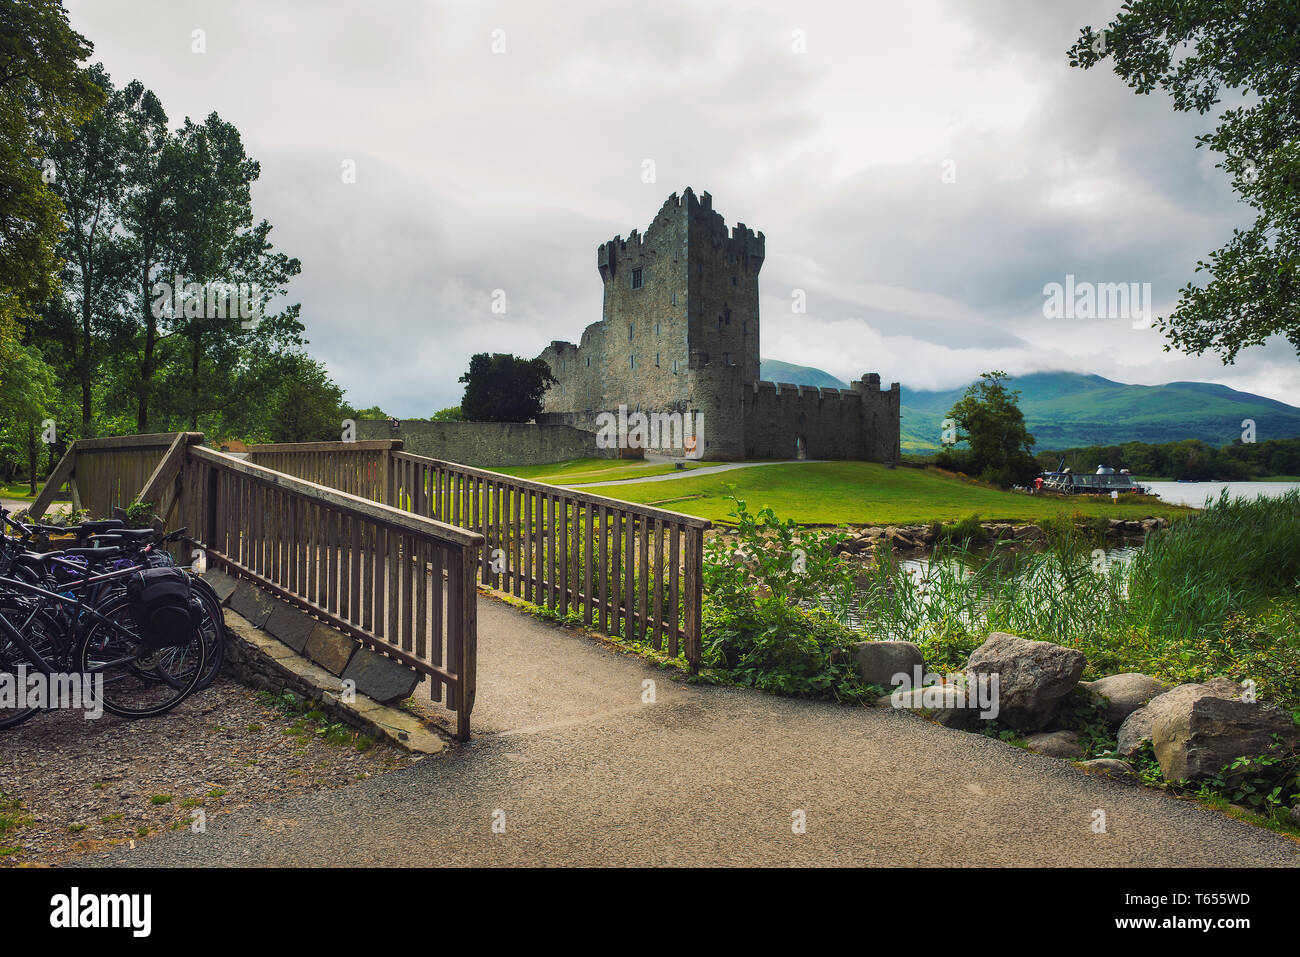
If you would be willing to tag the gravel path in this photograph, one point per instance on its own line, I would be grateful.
(69, 786)
(694, 473)
(578, 769)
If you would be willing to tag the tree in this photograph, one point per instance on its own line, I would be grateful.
(1193, 49)
(451, 414)
(44, 96)
(306, 406)
(504, 388)
(989, 416)
(90, 179)
(27, 394)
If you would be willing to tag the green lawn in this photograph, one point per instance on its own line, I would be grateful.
(21, 491)
(832, 493)
(578, 471)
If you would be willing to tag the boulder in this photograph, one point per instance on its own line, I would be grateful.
(1294, 815)
(879, 661)
(1198, 734)
(1033, 677)
(1137, 727)
(1124, 693)
(946, 704)
(1055, 744)
(1112, 767)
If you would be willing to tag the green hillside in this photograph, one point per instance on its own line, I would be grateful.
(1070, 409)
(774, 370)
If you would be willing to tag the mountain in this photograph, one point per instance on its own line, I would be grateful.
(1068, 409)
(774, 370)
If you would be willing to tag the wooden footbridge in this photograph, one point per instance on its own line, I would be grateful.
(391, 548)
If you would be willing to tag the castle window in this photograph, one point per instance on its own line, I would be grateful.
(633, 361)
(629, 333)
(674, 299)
(674, 367)
(588, 360)
(726, 314)
(656, 360)
(656, 328)
(726, 358)
(636, 279)
(735, 281)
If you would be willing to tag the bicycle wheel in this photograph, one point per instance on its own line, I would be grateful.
(139, 682)
(41, 632)
(213, 626)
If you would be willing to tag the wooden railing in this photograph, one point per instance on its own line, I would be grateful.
(399, 583)
(625, 569)
(111, 473)
(358, 468)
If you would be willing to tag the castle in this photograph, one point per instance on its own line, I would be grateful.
(679, 334)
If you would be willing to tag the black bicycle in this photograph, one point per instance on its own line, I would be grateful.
(61, 636)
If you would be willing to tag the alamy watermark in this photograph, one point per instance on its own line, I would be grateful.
(208, 300)
(25, 689)
(683, 431)
(970, 690)
(1093, 300)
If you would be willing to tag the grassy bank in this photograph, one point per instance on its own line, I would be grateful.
(1217, 594)
(579, 471)
(832, 493)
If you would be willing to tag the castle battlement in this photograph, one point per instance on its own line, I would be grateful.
(679, 331)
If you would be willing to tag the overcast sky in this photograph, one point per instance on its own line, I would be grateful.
(825, 125)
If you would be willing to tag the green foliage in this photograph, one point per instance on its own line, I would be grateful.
(1214, 594)
(775, 598)
(504, 388)
(1192, 50)
(990, 422)
(1190, 459)
(452, 414)
(44, 96)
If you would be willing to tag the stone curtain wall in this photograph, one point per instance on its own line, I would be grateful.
(829, 420)
(489, 444)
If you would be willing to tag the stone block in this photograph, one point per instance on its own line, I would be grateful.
(382, 678)
(290, 625)
(253, 603)
(330, 648)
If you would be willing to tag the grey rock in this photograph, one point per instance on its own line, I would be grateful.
(1055, 744)
(945, 704)
(1199, 734)
(1111, 766)
(1125, 693)
(1033, 677)
(380, 677)
(1137, 727)
(879, 661)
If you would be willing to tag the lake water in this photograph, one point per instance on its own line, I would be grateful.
(1195, 493)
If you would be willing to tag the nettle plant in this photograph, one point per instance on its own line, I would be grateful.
(777, 568)
(776, 597)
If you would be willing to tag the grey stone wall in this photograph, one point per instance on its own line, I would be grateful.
(489, 444)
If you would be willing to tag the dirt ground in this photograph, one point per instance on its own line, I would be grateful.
(69, 786)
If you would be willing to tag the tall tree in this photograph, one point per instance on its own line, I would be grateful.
(504, 388)
(1194, 49)
(989, 419)
(90, 179)
(44, 95)
(218, 242)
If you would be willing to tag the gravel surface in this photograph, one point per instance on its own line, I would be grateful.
(572, 765)
(69, 786)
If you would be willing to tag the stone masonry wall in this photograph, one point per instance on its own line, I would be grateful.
(489, 444)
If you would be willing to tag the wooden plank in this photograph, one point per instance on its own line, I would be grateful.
(685, 521)
(694, 595)
(674, 562)
(62, 473)
(659, 585)
(601, 569)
